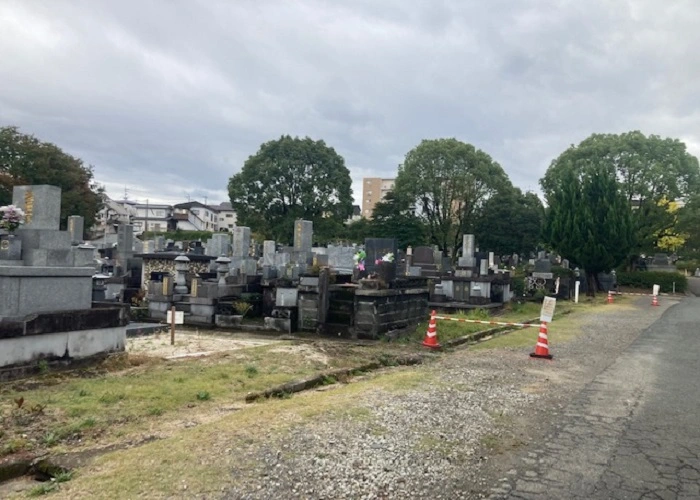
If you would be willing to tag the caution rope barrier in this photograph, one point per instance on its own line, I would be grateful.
(481, 322)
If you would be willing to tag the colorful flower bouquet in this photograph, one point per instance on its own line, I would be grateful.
(11, 218)
(359, 259)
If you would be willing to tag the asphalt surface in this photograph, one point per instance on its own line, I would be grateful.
(633, 432)
(694, 285)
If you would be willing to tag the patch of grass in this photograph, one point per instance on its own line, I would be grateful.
(491, 441)
(14, 445)
(83, 393)
(43, 366)
(155, 412)
(50, 439)
(110, 398)
(251, 371)
(329, 380)
(64, 476)
(43, 489)
(203, 396)
(437, 444)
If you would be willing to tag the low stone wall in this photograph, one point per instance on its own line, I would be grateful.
(380, 311)
(62, 335)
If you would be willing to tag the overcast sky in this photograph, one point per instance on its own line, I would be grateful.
(169, 98)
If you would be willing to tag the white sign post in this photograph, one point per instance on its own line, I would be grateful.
(656, 289)
(576, 290)
(174, 318)
(547, 312)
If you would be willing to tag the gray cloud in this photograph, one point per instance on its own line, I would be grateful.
(170, 98)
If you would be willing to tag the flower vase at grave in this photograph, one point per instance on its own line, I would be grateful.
(10, 247)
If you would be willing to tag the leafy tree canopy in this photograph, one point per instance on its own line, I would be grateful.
(25, 160)
(392, 220)
(648, 169)
(510, 222)
(589, 221)
(291, 178)
(689, 224)
(447, 181)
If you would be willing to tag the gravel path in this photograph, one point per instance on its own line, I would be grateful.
(478, 416)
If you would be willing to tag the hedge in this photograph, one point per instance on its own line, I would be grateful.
(688, 265)
(647, 279)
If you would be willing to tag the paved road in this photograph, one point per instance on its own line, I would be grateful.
(634, 432)
(694, 285)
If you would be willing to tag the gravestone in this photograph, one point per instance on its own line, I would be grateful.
(282, 259)
(125, 244)
(269, 248)
(158, 243)
(423, 255)
(76, 225)
(303, 235)
(543, 266)
(565, 263)
(467, 259)
(218, 245)
(376, 248)
(241, 241)
(41, 205)
(341, 258)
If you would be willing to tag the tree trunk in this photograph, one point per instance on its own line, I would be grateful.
(591, 281)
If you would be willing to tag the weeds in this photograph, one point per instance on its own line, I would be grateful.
(111, 398)
(203, 396)
(43, 489)
(251, 371)
(156, 412)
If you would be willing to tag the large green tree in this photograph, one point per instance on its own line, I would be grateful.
(648, 169)
(589, 221)
(291, 178)
(24, 160)
(392, 220)
(689, 224)
(510, 222)
(447, 181)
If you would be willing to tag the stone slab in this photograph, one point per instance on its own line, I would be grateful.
(41, 205)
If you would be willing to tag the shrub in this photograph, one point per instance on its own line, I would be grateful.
(647, 279)
(688, 265)
(242, 307)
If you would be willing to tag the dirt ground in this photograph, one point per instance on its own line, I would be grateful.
(190, 344)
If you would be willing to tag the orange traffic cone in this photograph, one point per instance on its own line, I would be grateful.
(431, 340)
(654, 300)
(610, 297)
(542, 347)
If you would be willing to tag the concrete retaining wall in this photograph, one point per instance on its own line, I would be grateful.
(74, 344)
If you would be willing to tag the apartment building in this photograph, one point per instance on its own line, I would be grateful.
(374, 189)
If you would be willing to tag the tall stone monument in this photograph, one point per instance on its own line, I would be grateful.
(303, 235)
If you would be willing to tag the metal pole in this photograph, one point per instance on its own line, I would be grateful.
(172, 325)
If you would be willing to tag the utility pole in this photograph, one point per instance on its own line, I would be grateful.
(146, 229)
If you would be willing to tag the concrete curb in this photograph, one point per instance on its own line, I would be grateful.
(283, 390)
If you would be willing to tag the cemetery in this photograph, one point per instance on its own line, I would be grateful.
(46, 277)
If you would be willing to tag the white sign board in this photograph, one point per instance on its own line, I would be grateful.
(547, 312)
(179, 317)
(656, 290)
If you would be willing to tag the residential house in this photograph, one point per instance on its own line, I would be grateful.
(196, 216)
(226, 216)
(153, 217)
